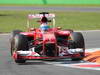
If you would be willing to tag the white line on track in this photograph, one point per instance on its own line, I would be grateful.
(92, 49)
(71, 66)
(89, 31)
(5, 34)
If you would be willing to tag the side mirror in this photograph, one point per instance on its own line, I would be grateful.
(59, 28)
(31, 29)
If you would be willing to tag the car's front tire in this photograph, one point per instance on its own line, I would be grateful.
(20, 42)
(13, 34)
(76, 40)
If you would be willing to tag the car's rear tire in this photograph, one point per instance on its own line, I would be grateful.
(15, 32)
(76, 40)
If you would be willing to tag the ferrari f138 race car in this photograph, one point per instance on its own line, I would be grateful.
(46, 41)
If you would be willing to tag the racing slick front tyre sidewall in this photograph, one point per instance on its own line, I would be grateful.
(77, 41)
(13, 33)
(20, 43)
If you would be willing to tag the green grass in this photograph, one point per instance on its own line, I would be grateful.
(48, 5)
(10, 20)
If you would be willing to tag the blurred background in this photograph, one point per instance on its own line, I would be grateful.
(49, 1)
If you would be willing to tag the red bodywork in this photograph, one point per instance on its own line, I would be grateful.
(49, 36)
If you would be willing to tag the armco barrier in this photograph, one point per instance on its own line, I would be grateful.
(49, 1)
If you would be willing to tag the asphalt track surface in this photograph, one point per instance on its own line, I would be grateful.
(8, 67)
(52, 8)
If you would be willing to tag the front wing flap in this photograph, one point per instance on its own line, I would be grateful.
(29, 55)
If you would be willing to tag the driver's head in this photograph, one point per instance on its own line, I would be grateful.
(44, 26)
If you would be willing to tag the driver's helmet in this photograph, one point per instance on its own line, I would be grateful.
(44, 20)
(44, 27)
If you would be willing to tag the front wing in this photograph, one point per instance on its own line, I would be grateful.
(30, 55)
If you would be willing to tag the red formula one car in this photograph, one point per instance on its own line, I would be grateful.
(46, 42)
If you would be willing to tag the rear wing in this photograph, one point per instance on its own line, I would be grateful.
(32, 16)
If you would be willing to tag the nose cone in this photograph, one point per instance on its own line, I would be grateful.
(49, 38)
